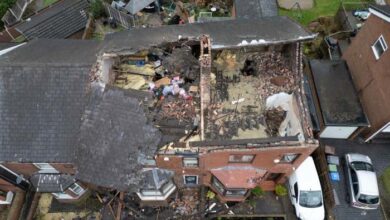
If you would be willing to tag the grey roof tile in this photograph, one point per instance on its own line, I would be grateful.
(57, 21)
(114, 132)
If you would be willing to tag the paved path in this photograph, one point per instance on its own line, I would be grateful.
(380, 155)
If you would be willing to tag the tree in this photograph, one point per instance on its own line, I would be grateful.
(97, 9)
(4, 5)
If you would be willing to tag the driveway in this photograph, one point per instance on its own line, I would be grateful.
(380, 156)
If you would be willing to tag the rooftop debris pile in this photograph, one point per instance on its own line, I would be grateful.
(240, 84)
(171, 74)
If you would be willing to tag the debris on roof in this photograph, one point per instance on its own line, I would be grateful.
(274, 30)
(114, 133)
(239, 89)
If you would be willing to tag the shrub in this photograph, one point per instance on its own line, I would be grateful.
(210, 195)
(257, 191)
(280, 190)
(97, 9)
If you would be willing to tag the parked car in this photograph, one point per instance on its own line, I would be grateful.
(363, 192)
(305, 192)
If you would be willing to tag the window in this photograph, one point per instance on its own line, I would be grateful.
(240, 158)
(273, 176)
(45, 168)
(191, 180)
(296, 190)
(161, 192)
(190, 162)
(310, 199)
(76, 188)
(379, 47)
(289, 158)
(236, 192)
(355, 183)
(227, 192)
(62, 196)
(218, 185)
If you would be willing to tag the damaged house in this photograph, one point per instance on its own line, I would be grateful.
(157, 111)
(229, 106)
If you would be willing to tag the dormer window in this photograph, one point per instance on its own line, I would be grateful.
(379, 47)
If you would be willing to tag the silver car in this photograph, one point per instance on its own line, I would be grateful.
(363, 192)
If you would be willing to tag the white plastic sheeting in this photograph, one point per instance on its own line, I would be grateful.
(291, 126)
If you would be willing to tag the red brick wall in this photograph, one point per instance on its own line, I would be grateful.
(264, 159)
(27, 169)
(6, 186)
(371, 76)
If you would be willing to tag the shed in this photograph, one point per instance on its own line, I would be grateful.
(336, 100)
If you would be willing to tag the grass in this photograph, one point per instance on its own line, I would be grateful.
(386, 180)
(322, 8)
(48, 2)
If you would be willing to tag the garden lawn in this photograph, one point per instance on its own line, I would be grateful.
(386, 180)
(48, 2)
(322, 8)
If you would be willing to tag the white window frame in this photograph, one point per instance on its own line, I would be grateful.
(189, 162)
(62, 195)
(241, 158)
(8, 198)
(76, 187)
(45, 168)
(197, 180)
(381, 40)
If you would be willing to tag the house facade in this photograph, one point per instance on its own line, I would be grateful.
(368, 59)
(77, 128)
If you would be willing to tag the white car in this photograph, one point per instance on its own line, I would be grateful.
(363, 192)
(305, 192)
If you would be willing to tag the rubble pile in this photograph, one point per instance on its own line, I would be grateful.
(274, 72)
(182, 110)
(239, 88)
(187, 203)
(274, 118)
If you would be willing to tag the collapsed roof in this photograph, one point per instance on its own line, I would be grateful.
(114, 134)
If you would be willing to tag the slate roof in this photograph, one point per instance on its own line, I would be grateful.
(114, 132)
(43, 86)
(51, 182)
(384, 9)
(255, 9)
(54, 51)
(339, 102)
(57, 21)
(264, 31)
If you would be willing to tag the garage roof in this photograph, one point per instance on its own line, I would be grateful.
(339, 102)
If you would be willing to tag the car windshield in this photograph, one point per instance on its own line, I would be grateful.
(310, 199)
(362, 166)
(368, 199)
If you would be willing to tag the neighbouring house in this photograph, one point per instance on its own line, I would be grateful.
(368, 59)
(43, 88)
(338, 116)
(254, 9)
(63, 19)
(76, 117)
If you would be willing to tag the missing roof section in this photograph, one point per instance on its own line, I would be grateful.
(251, 93)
